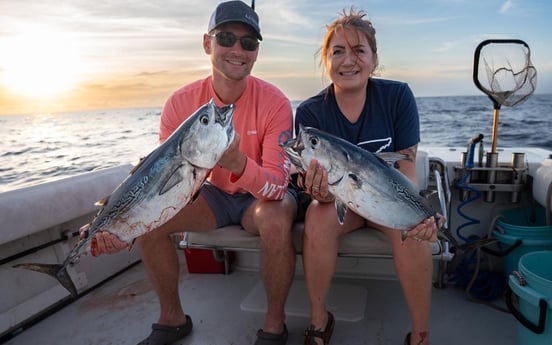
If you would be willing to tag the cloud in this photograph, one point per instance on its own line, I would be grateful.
(414, 21)
(445, 47)
(507, 7)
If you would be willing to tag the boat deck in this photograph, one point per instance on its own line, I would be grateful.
(366, 298)
(227, 309)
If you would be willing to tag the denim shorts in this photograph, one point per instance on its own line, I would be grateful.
(230, 208)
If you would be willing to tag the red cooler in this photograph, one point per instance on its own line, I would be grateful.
(203, 261)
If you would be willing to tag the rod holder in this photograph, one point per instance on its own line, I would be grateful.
(518, 164)
(492, 162)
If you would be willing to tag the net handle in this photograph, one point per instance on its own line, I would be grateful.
(476, 63)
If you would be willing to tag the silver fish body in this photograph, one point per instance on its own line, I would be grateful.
(360, 180)
(168, 178)
(161, 185)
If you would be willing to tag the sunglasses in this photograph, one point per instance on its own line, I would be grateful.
(228, 39)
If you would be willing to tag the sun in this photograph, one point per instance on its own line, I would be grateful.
(39, 64)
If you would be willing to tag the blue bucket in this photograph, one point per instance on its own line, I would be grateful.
(533, 286)
(521, 231)
(525, 222)
(519, 246)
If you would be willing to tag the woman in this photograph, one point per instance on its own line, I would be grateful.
(377, 115)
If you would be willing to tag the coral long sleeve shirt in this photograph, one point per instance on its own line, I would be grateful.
(263, 118)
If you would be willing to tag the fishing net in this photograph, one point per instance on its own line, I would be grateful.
(503, 70)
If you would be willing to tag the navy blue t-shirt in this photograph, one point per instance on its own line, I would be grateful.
(389, 120)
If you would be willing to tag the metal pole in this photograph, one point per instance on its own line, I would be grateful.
(496, 112)
(518, 163)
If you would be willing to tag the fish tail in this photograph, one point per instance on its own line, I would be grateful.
(57, 271)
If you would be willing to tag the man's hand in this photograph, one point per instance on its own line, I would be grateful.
(233, 159)
(103, 242)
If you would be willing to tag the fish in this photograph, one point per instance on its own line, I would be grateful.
(160, 185)
(364, 182)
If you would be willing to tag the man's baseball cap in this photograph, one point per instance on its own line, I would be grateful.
(235, 11)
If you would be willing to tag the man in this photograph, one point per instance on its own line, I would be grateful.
(248, 187)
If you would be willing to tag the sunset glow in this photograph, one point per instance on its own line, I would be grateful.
(81, 55)
(39, 64)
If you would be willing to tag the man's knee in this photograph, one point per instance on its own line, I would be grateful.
(280, 212)
(277, 225)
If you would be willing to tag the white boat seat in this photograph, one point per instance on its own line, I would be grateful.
(361, 243)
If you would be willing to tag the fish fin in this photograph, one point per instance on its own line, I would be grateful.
(194, 197)
(442, 198)
(403, 235)
(140, 162)
(137, 166)
(341, 209)
(356, 179)
(131, 244)
(57, 271)
(391, 157)
(426, 193)
(174, 179)
(102, 202)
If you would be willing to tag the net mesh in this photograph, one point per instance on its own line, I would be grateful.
(505, 72)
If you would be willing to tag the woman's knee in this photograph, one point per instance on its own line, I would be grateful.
(321, 221)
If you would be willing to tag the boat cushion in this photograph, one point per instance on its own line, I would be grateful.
(363, 242)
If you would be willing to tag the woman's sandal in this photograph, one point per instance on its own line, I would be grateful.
(311, 333)
(407, 339)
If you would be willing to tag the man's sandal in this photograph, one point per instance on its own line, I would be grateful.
(265, 338)
(311, 333)
(166, 335)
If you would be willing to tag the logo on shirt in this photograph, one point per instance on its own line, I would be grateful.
(386, 142)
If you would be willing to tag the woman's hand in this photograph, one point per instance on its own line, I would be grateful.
(427, 230)
(315, 182)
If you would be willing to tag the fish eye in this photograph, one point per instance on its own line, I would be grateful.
(313, 141)
(204, 119)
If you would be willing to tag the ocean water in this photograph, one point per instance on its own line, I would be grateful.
(43, 147)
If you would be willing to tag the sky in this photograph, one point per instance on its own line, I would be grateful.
(79, 54)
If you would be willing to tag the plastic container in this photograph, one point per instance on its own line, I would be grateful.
(203, 261)
(534, 291)
(525, 222)
(542, 181)
(521, 231)
(519, 246)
